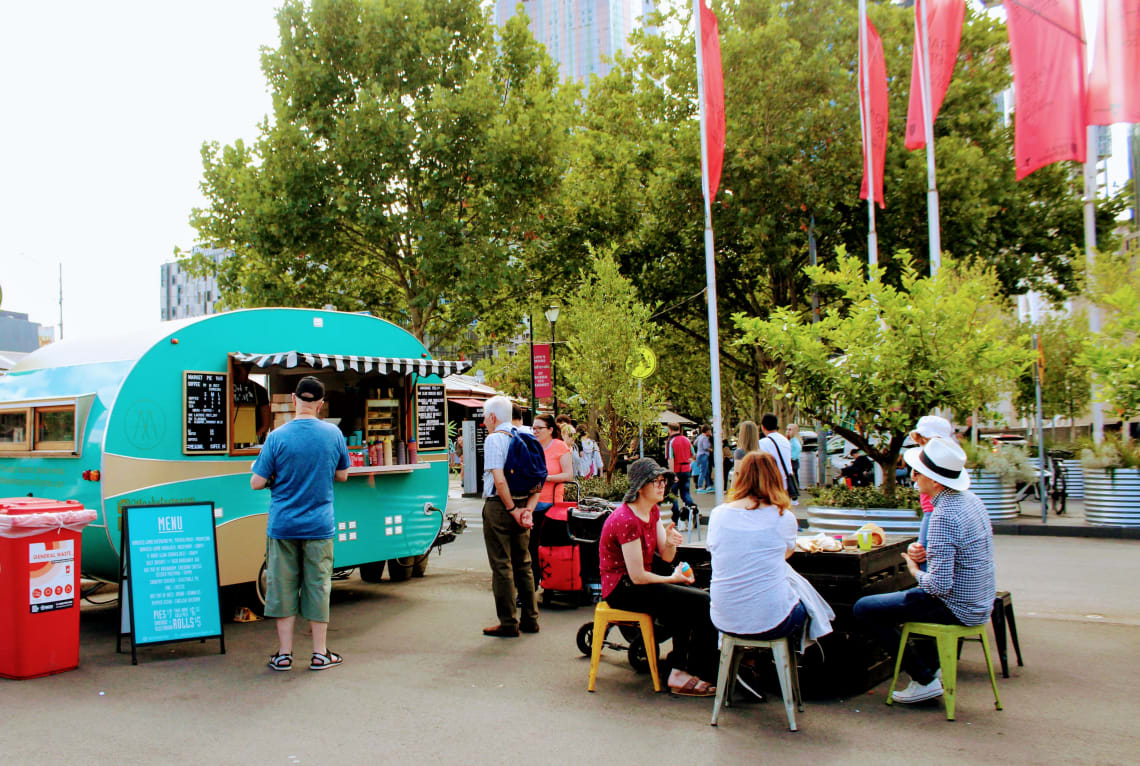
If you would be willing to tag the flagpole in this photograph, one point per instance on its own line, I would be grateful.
(865, 123)
(1090, 255)
(932, 215)
(710, 274)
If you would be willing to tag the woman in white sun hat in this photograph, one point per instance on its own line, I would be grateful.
(928, 427)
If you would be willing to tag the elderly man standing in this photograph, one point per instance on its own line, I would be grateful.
(958, 587)
(507, 522)
(299, 461)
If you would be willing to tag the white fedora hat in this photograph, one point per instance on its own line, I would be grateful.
(930, 426)
(941, 460)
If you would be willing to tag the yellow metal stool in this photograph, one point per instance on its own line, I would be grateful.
(947, 637)
(604, 616)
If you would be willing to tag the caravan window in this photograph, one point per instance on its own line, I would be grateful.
(55, 428)
(14, 430)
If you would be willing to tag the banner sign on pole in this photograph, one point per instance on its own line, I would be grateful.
(542, 382)
(168, 565)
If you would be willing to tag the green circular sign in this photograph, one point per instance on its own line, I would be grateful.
(643, 363)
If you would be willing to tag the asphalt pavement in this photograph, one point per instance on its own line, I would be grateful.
(421, 683)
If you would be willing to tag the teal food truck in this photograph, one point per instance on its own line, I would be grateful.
(176, 413)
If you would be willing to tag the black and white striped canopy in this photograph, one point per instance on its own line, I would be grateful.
(342, 362)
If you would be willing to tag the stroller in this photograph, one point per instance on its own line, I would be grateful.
(568, 550)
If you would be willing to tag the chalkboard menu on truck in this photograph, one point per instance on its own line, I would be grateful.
(431, 416)
(204, 413)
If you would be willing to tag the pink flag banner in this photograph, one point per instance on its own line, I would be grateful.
(714, 96)
(543, 389)
(1114, 85)
(874, 111)
(1048, 82)
(944, 24)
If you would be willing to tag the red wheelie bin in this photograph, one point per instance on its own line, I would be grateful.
(39, 585)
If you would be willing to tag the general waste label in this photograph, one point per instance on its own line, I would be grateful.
(51, 576)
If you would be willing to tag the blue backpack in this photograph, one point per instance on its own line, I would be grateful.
(525, 464)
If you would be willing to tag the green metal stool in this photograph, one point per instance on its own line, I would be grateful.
(947, 637)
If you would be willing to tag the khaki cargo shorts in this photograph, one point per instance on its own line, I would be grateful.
(300, 578)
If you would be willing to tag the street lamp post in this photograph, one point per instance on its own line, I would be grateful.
(552, 317)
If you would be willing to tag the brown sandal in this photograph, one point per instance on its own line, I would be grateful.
(694, 687)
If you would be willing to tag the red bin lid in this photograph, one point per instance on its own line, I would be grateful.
(20, 506)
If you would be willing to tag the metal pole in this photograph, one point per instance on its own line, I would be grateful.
(710, 275)
(865, 124)
(821, 440)
(932, 217)
(1040, 431)
(553, 370)
(533, 390)
(1090, 255)
(640, 423)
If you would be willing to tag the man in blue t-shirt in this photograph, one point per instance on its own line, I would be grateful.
(299, 461)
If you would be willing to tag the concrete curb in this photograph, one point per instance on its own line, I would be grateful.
(1066, 530)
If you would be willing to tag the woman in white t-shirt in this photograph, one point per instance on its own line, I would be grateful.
(750, 537)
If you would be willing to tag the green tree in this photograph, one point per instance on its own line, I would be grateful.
(1114, 354)
(792, 157)
(884, 356)
(404, 169)
(1066, 386)
(605, 324)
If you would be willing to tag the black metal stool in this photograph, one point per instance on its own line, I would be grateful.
(1001, 617)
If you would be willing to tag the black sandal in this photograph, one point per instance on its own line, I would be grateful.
(325, 661)
(280, 662)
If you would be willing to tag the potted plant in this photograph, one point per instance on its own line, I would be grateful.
(1112, 483)
(844, 509)
(994, 475)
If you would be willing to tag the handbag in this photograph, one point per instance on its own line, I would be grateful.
(789, 477)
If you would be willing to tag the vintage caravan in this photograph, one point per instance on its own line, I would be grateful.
(177, 412)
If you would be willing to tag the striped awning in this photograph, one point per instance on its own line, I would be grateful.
(342, 362)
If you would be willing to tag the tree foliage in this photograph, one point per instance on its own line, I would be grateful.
(884, 356)
(404, 168)
(1114, 353)
(606, 324)
(1066, 384)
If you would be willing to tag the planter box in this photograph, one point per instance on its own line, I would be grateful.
(996, 494)
(1074, 479)
(894, 521)
(1112, 496)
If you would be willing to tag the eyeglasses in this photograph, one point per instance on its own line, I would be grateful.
(540, 428)
(658, 482)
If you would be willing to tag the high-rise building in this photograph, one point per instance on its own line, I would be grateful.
(578, 33)
(185, 295)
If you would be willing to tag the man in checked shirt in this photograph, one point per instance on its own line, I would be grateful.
(958, 585)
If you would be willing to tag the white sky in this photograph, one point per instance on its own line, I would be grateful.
(108, 106)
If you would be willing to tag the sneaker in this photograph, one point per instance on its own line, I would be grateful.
(528, 627)
(917, 692)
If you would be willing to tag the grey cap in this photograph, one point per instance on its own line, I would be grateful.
(641, 472)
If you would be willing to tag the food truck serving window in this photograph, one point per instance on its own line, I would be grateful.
(47, 427)
(373, 400)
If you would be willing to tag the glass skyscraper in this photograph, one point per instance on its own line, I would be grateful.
(578, 33)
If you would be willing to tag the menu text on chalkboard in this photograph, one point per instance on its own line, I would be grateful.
(204, 412)
(431, 416)
(169, 569)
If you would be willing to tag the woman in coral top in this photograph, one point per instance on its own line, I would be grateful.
(559, 469)
(630, 537)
